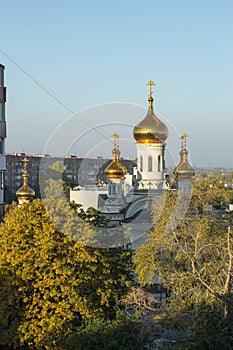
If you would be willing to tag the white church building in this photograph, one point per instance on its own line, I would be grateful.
(128, 197)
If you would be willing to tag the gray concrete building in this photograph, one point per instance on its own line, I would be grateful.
(78, 171)
(2, 137)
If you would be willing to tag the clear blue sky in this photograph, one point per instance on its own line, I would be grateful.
(94, 52)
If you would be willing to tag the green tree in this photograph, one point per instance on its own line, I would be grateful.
(56, 172)
(211, 191)
(51, 284)
(193, 260)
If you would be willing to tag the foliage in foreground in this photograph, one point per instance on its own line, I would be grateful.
(123, 333)
(50, 284)
(194, 260)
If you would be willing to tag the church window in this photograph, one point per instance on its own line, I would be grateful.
(141, 163)
(159, 163)
(150, 164)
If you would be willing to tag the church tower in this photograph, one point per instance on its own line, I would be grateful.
(25, 193)
(150, 135)
(115, 173)
(184, 173)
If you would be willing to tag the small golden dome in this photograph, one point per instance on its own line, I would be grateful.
(25, 193)
(184, 170)
(150, 129)
(115, 170)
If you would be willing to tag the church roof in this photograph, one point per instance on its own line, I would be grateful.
(184, 170)
(25, 192)
(115, 170)
(150, 129)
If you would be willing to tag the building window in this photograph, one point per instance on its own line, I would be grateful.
(109, 190)
(114, 189)
(159, 163)
(141, 163)
(150, 164)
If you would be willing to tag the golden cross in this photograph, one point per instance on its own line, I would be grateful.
(150, 83)
(184, 139)
(116, 139)
(25, 160)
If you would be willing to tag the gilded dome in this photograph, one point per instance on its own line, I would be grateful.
(115, 170)
(150, 129)
(25, 193)
(184, 170)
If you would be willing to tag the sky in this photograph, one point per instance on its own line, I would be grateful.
(76, 71)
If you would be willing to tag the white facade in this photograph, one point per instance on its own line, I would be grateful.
(88, 196)
(150, 165)
(116, 188)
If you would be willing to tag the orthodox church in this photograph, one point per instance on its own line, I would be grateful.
(129, 197)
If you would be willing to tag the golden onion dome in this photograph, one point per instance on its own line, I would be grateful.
(184, 170)
(150, 129)
(115, 170)
(25, 193)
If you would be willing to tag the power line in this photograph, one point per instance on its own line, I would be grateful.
(56, 98)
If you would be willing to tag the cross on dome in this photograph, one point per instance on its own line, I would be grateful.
(150, 83)
(116, 140)
(25, 161)
(184, 139)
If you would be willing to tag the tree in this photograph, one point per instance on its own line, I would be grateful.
(91, 215)
(211, 191)
(64, 216)
(194, 260)
(51, 284)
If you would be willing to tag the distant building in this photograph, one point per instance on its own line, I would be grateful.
(78, 171)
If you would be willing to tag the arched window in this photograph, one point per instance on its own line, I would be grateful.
(150, 164)
(159, 163)
(141, 163)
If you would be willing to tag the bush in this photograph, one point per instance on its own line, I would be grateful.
(124, 333)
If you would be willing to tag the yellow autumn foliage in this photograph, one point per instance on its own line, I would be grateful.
(50, 283)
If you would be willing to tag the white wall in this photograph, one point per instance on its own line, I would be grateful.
(87, 198)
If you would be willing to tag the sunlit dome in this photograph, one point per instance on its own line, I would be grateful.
(115, 170)
(184, 170)
(25, 193)
(150, 129)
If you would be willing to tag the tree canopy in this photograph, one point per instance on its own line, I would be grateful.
(194, 260)
(49, 283)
